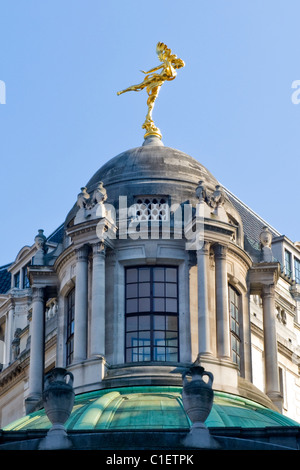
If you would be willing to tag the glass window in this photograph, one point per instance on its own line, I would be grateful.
(288, 263)
(70, 326)
(234, 325)
(297, 270)
(151, 314)
(17, 280)
(26, 283)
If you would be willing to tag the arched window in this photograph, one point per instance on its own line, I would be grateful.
(70, 326)
(151, 306)
(234, 325)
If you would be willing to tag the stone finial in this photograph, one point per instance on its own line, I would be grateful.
(58, 399)
(265, 238)
(40, 243)
(197, 399)
(40, 240)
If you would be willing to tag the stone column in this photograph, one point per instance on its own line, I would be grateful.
(204, 340)
(270, 345)
(223, 327)
(81, 305)
(97, 334)
(8, 335)
(36, 367)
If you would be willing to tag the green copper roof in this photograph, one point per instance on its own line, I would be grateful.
(153, 407)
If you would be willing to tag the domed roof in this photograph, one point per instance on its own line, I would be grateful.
(153, 407)
(151, 161)
(151, 169)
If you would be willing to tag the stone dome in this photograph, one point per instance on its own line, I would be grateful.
(151, 169)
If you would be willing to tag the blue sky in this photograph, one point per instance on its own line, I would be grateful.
(62, 62)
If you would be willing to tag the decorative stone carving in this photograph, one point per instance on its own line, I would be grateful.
(58, 399)
(40, 243)
(266, 242)
(91, 206)
(217, 199)
(99, 195)
(197, 398)
(15, 345)
(201, 192)
(83, 198)
(281, 315)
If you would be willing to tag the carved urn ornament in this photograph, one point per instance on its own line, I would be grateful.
(197, 395)
(197, 399)
(58, 398)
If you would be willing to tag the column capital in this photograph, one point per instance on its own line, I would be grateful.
(38, 293)
(268, 290)
(81, 253)
(204, 250)
(220, 251)
(99, 249)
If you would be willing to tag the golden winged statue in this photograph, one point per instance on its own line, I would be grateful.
(153, 82)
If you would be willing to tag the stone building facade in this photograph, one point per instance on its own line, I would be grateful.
(155, 266)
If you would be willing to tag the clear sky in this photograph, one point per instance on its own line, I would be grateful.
(62, 62)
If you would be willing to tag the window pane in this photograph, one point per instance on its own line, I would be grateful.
(144, 274)
(171, 339)
(171, 274)
(159, 338)
(171, 323)
(132, 275)
(131, 290)
(144, 305)
(171, 354)
(171, 305)
(132, 339)
(158, 289)
(132, 323)
(144, 289)
(158, 274)
(159, 305)
(145, 354)
(131, 306)
(159, 322)
(144, 322)
(159, 354)
(171, 290)
(144, 338)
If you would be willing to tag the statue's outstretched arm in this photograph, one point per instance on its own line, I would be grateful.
(154, 69)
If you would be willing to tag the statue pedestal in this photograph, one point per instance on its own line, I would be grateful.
(200, 438)
(56, 439)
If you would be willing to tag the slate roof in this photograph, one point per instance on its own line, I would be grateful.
(57, 235)
(5, 279)
(252, 222)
